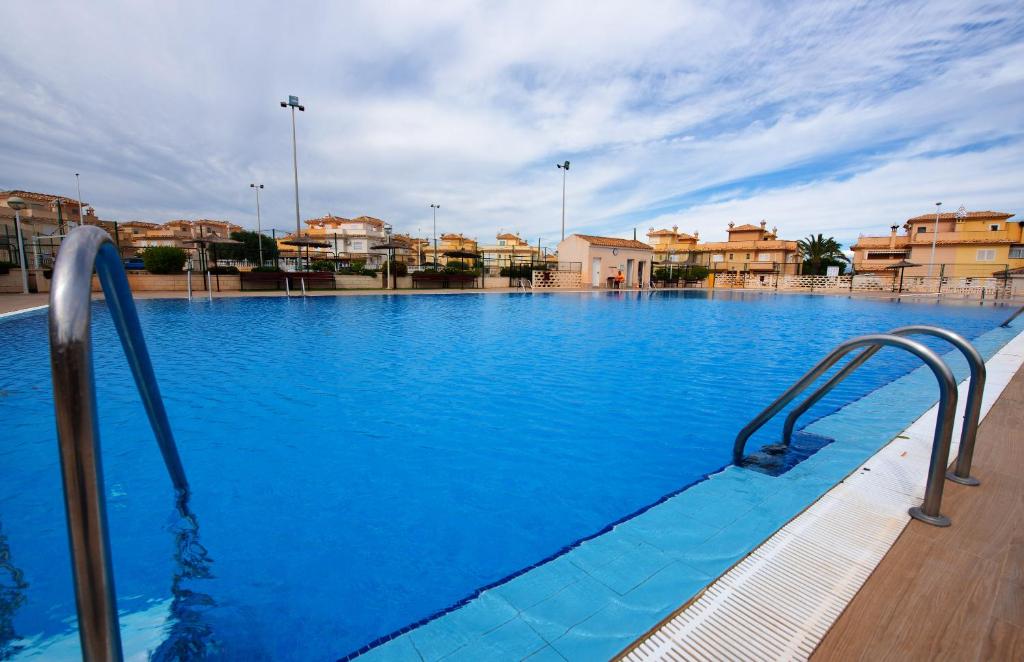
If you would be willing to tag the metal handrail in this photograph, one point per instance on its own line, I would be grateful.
(86, 248)
(929, 510)
(1013, 316)
(972, 409)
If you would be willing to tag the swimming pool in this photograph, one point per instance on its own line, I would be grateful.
(361, 463)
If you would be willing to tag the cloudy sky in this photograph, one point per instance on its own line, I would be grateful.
(839, 117)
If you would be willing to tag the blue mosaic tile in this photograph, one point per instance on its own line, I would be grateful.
(514, 640)
(673, 534)
(630, 570)
(546, 654)
(667, 590)
(539, 583)
(604, 634)
(572, 605)
(399, 649)
(444, 635)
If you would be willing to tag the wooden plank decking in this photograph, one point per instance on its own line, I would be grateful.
(955, 593)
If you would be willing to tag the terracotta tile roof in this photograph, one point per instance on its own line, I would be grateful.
(40, 197)
(661, 233)
(509, 235)
(614, 242)
(745, 228)
(328, 218)
(369, 219)
(138, 224)
(951, 216)
(749, 245)
(880, 242)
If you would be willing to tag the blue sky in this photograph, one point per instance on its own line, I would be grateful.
(835, 117)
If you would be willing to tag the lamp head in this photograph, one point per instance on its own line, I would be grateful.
(16, 203)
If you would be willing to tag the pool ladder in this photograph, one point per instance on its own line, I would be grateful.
(929, 510)
(1013, 317)
(87, 248)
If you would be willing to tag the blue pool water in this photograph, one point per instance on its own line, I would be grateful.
(361, 463)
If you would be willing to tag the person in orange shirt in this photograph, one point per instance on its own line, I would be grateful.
(619, 279)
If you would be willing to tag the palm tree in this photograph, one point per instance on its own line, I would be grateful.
(819, 252)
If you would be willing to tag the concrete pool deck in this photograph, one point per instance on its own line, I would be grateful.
(597, 598)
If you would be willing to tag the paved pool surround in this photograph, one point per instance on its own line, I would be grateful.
(596, 598)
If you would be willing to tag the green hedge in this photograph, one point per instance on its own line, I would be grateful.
(164, 259)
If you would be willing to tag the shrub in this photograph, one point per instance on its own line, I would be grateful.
(5, 267)
(454, 266)
(667, 275)
(519, 271)
(272, 270)
(695, 272)
(164, 259)
(322, 265)
(224, 271)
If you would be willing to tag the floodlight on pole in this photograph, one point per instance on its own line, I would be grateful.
(78, 185)
(935, 236)
(434, 209)
(293, 103)
(259, 232)
(564, 167)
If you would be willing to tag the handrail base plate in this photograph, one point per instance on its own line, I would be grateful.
(970, 481)
(934, 520)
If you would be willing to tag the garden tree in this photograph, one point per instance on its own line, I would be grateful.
(249, 249)
(163, 259)
(820, 253)
(322, 265)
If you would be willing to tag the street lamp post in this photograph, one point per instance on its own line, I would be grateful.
(17, 204)
(434, 209)
(293, 103)
(935, 236)
(78, 185)
(564, 167)
(259, 232)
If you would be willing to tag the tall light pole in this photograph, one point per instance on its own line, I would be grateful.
(17, 204)
(434, 209)
(935, 236)
(259, 233)
(293, 103)
(78, 185)
(564, 167)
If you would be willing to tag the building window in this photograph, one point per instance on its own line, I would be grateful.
(886, 255)
(357, 245)
(501, 242)
(994, 227)
(921, 228)
(730, 256)
(1017, 252)
(986, 255)
(748, 256)
(717, 257)
(764, 257)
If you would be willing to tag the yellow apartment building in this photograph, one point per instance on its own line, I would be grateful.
(749, 249)
(42, 225)
(973, 244)
(509, 246)
(672, 245)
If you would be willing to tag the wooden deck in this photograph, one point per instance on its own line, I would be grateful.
(955, 593)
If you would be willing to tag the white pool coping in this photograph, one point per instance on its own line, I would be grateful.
(781, 600)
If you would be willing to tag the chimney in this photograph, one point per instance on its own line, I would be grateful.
(892, 235)
(731, 225)
(675, 229)
(763, 223)
(696, 234)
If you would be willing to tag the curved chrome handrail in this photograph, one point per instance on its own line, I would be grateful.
(929, 510)
(1013, 316)
(74, 400)
(972, 408)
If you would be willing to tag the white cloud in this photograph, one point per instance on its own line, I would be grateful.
(668, 110)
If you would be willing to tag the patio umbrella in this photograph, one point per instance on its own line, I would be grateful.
(901, 265)
(307, 242)
(202, 242)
